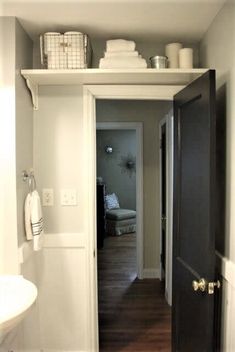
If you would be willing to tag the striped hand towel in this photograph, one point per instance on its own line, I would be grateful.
(27, 217)
(34, 220)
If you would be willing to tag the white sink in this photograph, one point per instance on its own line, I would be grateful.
(17, 295)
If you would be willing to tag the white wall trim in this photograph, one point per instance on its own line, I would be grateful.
(55, 240)
(90, 94)
(151, 273)
(138, 127)
(64, 240)
(134, 92)
(227, 269)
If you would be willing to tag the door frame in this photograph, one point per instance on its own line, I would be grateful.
(168, 122)
(138, 128)
(90, 94)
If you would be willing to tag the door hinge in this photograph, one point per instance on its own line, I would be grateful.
(160, 144)
(94, 253)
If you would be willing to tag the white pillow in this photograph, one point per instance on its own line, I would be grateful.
(111, 201)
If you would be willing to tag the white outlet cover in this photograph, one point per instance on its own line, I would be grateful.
(47, 197)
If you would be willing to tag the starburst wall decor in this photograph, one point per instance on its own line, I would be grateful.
(128, 164)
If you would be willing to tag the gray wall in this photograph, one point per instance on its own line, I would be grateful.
(149, 113)
(8, 208)
(24, 122)
(16, 145)
(58, 159)
(217, 50)
(117, 177)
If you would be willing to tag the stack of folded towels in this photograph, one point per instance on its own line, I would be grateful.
(121, 53)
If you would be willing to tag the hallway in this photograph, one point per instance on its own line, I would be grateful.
(133, 314)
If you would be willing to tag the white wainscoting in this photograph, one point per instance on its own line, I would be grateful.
(62, 305)
(63, 290)
(228, 303)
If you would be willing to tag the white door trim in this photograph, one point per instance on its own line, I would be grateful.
(138, 127)
(90, 94)
(168, 121)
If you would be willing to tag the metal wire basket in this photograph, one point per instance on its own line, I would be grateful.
(70, 50)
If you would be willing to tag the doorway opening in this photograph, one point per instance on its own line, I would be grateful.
(120, 169)
(131, 301)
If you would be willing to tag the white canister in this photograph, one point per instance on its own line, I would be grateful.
(186, 58)
(172, 52)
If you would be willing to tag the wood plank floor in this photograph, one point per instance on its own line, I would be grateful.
(133, 314)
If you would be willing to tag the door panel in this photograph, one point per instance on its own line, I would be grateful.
(163, 199)
(194, 219)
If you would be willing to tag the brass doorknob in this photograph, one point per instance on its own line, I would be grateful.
(202, 285)
(199, 285)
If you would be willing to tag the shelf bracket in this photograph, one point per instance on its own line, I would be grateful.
(34, 92)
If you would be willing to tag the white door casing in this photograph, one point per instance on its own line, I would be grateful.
(90, 94)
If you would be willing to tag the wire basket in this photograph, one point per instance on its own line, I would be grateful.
(70, 50)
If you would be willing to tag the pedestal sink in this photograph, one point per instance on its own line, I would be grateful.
(17, 295)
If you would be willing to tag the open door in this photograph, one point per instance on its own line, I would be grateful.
(194, 217)
(163, 197)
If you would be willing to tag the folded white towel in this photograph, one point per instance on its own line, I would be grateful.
(120, 45)
(121, 53)
(34, 220)
(123, 62)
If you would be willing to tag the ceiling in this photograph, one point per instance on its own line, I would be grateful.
(152, 20)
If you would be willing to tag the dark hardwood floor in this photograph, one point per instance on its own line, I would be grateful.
(133, 314)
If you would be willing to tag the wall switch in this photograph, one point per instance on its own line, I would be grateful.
(68, 197)
(73, 197)
(47, 197)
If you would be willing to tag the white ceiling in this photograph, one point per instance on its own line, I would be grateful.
(155, 20)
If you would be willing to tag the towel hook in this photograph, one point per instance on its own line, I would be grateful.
(29, 176)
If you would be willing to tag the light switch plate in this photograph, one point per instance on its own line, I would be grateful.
(68, 197)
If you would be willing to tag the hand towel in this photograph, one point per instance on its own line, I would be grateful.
(123, 62)
(121, 54)
(27, 218)
(120, 45)
(36, 221)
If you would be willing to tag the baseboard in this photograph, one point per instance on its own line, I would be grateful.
(44, 350)
(151, 273)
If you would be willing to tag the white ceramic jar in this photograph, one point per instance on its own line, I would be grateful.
(172, 53)
(186, 58)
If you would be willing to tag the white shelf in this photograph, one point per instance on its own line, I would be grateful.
(151, 76)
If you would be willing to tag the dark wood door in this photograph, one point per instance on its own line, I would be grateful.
(194, 218)
(163, 200)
